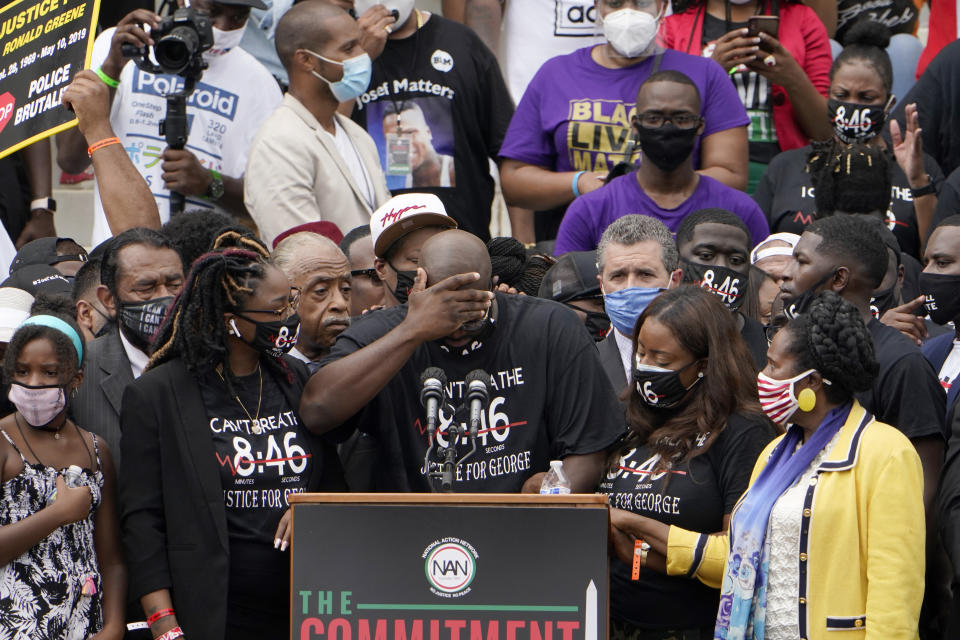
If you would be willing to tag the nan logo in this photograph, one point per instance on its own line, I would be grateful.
(450, 565)
(441, 60)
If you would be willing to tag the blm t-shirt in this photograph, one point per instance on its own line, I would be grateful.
(695, 496)
(907, 393)
(261, 461)
(230, 102)
(550, 397)
(786, 195)
(454, 107)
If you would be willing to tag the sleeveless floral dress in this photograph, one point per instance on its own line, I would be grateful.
(53, 591)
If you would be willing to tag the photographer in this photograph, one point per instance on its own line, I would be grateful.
(231, 100)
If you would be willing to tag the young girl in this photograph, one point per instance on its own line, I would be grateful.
(61, 573)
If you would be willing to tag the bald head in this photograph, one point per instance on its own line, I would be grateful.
(313, 25)
(453, 252)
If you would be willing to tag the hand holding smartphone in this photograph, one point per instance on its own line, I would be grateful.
(766, 24)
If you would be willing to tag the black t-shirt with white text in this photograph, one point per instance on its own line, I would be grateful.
(786, 195)
(550, 397)
(261, 462)
(454, 111)
(695, 496)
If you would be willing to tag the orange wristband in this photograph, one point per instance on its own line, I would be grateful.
(640, 549)
(106, 142)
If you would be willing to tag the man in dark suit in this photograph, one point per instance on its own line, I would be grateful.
(139, 276)
(637, 258)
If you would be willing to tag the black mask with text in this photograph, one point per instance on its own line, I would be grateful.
(140, 320)
(661, 388)
(667, 146)
(273, 338)
(943, 296)
(723, 282)
(883, 301)
(855, 122)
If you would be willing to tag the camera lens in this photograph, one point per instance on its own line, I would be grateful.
(175, 50)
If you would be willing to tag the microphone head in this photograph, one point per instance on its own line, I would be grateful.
(478, 383)
(435, 373)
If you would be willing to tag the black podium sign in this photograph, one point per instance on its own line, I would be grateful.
(436, 571)
(43, 45)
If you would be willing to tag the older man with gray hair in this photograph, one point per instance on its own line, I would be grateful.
(317, 267)
(637, 259)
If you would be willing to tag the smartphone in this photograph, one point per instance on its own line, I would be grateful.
(767, 24)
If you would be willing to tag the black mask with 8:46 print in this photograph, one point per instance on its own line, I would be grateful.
(854, 122)
(661, 388)
(943, 296)
(142, 319)
(723, 282)
(666, 146)
(274, 338)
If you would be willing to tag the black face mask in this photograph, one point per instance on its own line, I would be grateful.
(799, 304)
(943, 296)
(723, 282)
(274, 338)
(855, 122)
(883, 301)
(405, 282)
(661, 388)
(597, 323)
(667, 146)
(140, 320)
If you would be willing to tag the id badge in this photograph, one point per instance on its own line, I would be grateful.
(399, 147)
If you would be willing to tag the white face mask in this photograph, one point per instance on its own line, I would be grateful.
(630, 32)
(403, 8)
(224, 41)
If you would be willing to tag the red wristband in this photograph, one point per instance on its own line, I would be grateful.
(162, 613)
(174, 633)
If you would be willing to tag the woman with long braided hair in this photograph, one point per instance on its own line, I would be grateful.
(830, 534)
(215, 447)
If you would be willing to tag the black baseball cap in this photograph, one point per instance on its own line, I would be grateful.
(43, 251)
(256, 4)
(37, 279)
(574, 276)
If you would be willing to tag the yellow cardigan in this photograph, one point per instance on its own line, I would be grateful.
(862, 541)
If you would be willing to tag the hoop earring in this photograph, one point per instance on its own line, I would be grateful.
(807, 400)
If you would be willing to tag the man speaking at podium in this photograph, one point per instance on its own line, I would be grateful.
(549, 398)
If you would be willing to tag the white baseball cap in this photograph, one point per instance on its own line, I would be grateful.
(762, 251)
(405, 213)
(14, 308)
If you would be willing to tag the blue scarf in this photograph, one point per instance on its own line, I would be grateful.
(743, 597)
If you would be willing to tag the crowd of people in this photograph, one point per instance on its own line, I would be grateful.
(729, 304)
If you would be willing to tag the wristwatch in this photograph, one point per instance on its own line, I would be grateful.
(215, 190)
(924, 191)
(43, 203)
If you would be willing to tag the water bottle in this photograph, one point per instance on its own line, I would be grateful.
(555, 482)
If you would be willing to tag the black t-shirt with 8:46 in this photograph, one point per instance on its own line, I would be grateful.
(550, 397)
(786, 195)
(437, 108)
(695, 496)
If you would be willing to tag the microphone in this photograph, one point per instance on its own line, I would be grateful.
(432, 381)
(478, 395)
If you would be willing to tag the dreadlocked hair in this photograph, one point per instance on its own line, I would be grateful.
(854, 178)
(194, 330)
(243, 240)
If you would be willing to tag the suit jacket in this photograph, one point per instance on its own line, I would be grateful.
(173, 520)
(612, 363)
(295, 174)
(107, 374)
(936, 350)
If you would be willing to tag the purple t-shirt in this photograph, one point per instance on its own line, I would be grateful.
(589, 215)
(575, 114)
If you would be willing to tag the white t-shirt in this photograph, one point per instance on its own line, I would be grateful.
(951, 367)
(536, 30)
(231, 101)
(352, 159)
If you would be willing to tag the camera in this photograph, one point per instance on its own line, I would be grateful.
(180, 40)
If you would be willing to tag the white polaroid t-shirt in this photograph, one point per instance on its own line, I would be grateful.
(230, 102)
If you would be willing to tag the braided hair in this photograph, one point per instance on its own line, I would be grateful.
(219, 282)
(507, 257)
(831, 338)
(855, 178)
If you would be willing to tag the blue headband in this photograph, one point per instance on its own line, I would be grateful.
(56, 323)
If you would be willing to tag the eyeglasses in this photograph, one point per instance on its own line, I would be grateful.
(655, 119)
(288, 309)
(369, 273)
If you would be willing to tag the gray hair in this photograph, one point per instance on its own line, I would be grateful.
(293, 248)
(634, 229)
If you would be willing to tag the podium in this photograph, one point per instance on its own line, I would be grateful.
(449, 567)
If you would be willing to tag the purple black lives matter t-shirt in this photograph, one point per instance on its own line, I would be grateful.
(575, 114)
(590, 214)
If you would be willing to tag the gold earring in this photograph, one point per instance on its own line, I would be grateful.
(807, 400)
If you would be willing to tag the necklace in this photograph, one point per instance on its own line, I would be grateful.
(254, 419)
